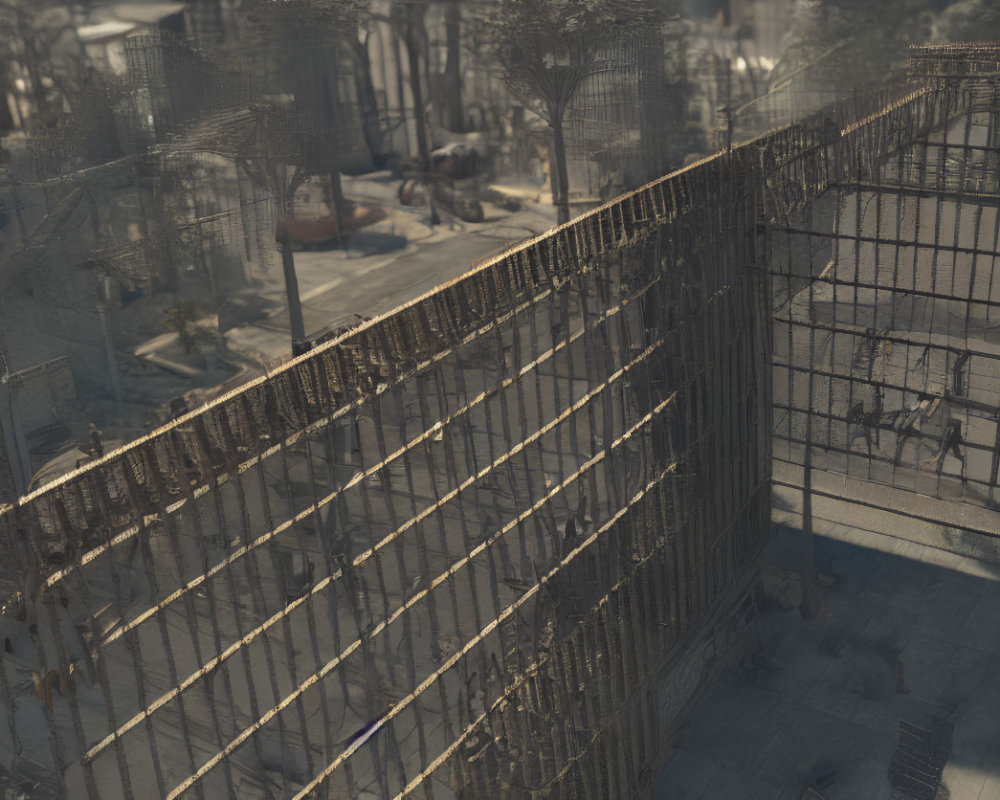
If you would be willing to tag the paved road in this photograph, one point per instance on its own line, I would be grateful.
(380, 270)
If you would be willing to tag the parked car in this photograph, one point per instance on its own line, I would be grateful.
(324, 229)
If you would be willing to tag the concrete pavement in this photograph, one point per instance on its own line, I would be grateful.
(909, 633)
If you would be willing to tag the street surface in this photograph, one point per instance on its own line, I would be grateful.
(381, 268)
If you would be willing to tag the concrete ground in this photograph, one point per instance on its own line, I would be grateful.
(826, 694)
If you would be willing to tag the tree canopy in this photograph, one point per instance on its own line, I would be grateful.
(547, 47)
(852, 42)
(970, 21)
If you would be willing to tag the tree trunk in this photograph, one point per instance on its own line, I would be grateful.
(416, 88)
(397, 57)
(553, 176)
(560, 175)
(371, 128)
(340, 208)
(517, 138)
(286, 202)
(334, 120)
(295, 321)
(272, 177)
(655, 116)
(454, 113)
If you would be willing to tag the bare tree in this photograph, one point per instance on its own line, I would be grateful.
(372, 127)
(301, 41)
(451, 95)
(408, 19)
(272, 144)
(271, 165)
(547, 48)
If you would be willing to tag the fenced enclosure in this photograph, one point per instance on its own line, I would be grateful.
(449, 553)
(886, 326)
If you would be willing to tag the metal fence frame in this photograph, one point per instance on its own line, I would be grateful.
(627, 353)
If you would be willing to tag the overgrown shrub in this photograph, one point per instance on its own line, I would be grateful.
(182, 317)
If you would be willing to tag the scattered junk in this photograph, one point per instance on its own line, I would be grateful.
(458, 160)
(362, 735)
(459, 203)
(299, 572)
(413, 192)
(823, 775)
(96, 448)
(453, 162)
(918, 762)
(326, 335)
(240, 310)
(323, 230)
(453, 182)
(499, 199)
(899, 677)
(178, 407)
(45, 684)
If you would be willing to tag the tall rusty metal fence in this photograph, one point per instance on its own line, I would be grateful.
(474, 529)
